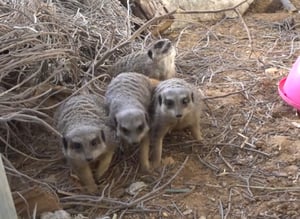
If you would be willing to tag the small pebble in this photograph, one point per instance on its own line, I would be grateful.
(187, 212)
(135, 187)
(165, 214)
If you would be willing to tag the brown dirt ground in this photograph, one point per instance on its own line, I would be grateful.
(248, 165)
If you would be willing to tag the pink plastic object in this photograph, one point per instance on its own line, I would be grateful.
(289, 87)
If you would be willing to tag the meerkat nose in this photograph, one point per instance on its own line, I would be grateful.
(178, 115)
(135, 143)
(88, 159)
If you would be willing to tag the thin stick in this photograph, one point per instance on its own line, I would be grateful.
(229, 94)
(14, 170)
(245, 148)
(229, 204)
(221, 209)
(224, 160)
(284, 189)
(247, 30)
(152, 194)
(211, 166)
(23, 154)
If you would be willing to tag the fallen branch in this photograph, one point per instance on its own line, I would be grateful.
(213, 11)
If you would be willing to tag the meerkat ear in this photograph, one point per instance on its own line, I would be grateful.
(103, 135)
(150, 54)
(192, 97)
(159, 100)
(65, 142)
(115, 121)
(147, 117)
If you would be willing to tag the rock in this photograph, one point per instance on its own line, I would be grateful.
(195, 5)
(135, 187)
(60, 214)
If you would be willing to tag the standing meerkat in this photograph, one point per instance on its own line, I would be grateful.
(176, 105)
(158, 61)
(128, 98)
(86, 138)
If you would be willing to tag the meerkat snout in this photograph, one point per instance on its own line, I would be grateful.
(176, 102)
(85, 143)
(132, 125)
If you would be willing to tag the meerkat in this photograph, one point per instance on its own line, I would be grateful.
(176, 105)
(128, 97)
(86, 138)
(158, 61)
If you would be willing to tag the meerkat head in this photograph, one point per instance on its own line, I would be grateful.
(161, 49)
(85, 143)
(132, 125)
(175, 102)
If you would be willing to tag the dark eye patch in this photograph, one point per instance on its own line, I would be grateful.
(65, 143)
(95, 142)
(76, 146)
(159, 45)
(167, 47)
(150, 54)
(103, 135)
(169, 103)
(185, 100)
(140, 128)
(160, 100)
(125, 130)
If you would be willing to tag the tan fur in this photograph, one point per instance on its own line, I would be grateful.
(176, 105)
(154, 82)
(86, 138)
(128, 98)
(158, 61)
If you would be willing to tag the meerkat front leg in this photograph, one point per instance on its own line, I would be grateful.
(157, 144)
(144, 154)
(84, 173)
(196, 132)
(104, 164)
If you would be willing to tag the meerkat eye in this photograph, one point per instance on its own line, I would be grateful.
(150, 54)
(95, 142)
(159, 44)
(65, 143)
(169, 103)
(103, 136)
(140, 127)
(125, 130)
(185, 101)
(167, 47)
(76, 146)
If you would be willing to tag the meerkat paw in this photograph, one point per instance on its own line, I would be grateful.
(92, 188)
(196, 133)
(145, 169)
(199, 137)
(103, 165)
(167, 161)
(156, 164)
